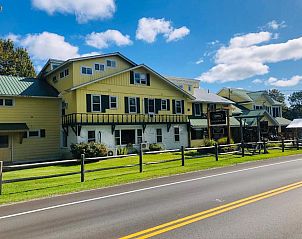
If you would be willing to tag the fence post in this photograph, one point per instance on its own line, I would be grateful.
(242, 148)
(182, 155)
(1, 168)
(282, 143)
(216, 152)
(141, 159)
(298, 147)
(82, 168)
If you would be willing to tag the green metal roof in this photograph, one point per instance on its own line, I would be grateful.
(202, 123)
(17, 127)
(24, 86)
(283, 121)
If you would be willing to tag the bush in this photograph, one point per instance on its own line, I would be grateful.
(224, 140)
(90, 150)
(131, 149)
(209, 142)
(122, 151)
(155, 147)
(274, 145)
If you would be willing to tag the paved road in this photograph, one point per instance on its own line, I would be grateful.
(123, 210)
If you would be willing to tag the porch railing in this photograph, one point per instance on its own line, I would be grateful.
(108, 119)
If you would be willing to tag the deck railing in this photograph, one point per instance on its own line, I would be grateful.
(107, 119)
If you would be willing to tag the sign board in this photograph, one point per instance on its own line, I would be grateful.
(218, 118)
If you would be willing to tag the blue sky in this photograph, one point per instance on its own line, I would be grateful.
(251, 44)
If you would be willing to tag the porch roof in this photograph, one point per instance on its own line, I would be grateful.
(296, 123)
(13, 127)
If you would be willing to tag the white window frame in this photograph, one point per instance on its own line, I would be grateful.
(140, 78)
(66, 70)
(111, 64)
(86, 70)
(151, 112)
(277, 111)
(258, 107)
(34, 130)
(139, 136)
(119, 138)
(104, 66)
(96, 103)
(129, 106)
(177, 134)
(166, 103)
(159, 135)
(4, 104)
(90, 139)
(199, 106)
(116, 102)
(176, 107)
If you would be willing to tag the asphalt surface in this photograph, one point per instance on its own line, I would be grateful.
(118, 211)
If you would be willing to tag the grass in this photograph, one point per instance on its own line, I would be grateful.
(21, 191)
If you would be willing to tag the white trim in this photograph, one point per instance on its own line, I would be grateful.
(111, 61)
(95, 136)
(176, 127)
(7, 106)
(140, 79)
(100, 96)
(161, 104)
(115, 108)
(98, 63)
(152, 112)
(135, 105)
(33, 130)
(180, 107)
(200, 109)
(86, 70)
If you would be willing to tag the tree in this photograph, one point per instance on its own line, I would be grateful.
(295, 101)
(277, 95)
(15, 61)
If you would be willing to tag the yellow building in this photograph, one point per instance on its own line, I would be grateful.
(29, 120)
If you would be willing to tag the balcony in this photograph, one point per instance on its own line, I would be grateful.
(77, 119)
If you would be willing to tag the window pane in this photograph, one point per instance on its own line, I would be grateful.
(4, 141)
(176, 130)
(117, 133)
(96, 99)
(163, 104)
(1, 101)
(96, 107)
(128, 136)
(139, 132)
(83, 70)
(8, 102)
(66, 72)
(61, 74)
(89, 71)
(33, 134)
(91, 136)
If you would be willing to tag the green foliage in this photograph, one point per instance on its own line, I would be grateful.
(131, 149)
(155, 147)
(90, 150)
(15, 61)
(122, 151)
(278, 96)
(273, 145)
(224, 140)
(295, 110)
(209, 142)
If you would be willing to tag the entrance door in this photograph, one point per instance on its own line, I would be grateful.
(5, 147)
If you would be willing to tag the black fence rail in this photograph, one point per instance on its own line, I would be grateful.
(215, 151)
(109, 119)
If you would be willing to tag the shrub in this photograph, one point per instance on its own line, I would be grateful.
(224, 140)
(90, 150)
(209, 142)
(155, 147)
(122, 151)
(131, 149)
(274, 145)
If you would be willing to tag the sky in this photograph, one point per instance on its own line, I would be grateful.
(250, 44)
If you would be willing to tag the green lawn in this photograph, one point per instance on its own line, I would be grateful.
(21, 191)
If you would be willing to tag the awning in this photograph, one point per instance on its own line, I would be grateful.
(202, 123)
(13, 127)
(296, 123)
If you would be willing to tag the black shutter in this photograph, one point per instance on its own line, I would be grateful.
(168, 104)
(146, 105)
(148, 79)
(157, 105)
(182, 106)
(193, 109)
(42, 133)
(131, 77)
(201, 110)
(105, 103)
(126, 105)
(138, 105)
(88, 102)
(173, 107)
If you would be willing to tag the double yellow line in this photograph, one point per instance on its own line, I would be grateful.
(210, 213)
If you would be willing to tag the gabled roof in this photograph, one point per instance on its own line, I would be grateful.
(176, 78)
(283, 121)
(202, 95)
(238, 92)
(64, 63)
(24, 86)
(250, 116)
(130, 69)
(295, 124)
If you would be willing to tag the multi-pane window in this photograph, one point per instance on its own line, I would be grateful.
(159, 136)
(151, 105)
(176, 134)
(86, 70)
(113, 102)
(4, 141)
(91, 136)
(61, 74)
(132, 105)
(140, 78)
(99, 67)
(117, 136)
(54, 79)
(6, 102)
(197, 108)
(64, 73)
(139, 136)
(164, 104)
(276, 111)
(258, 107)
(33, 133)
(197, 133)
(178, 107)
(111, 63)
(96, 103)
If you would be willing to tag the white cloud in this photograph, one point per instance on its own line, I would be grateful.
(257, 81)
(295, 80)
(84, 10)
(243, 58)
(276, 25)
(102, 40)
(15, 38)
(149, 28)
(199, 61)
(178, 34)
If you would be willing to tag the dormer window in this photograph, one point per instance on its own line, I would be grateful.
(111, 63)
(86, 70)
(99, 67)
(140, 78)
